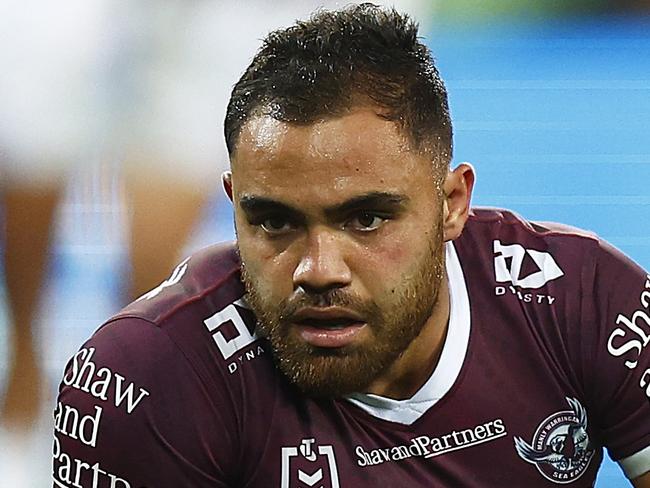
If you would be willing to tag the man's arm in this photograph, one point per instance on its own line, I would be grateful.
(618, 365)
(132, 411)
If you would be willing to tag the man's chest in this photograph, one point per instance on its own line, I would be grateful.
(465, 441)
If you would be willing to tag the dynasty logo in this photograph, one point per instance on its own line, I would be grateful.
(560, 448)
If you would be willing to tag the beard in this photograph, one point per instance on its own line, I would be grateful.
(394, 323)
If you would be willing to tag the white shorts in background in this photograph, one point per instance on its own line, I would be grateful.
(48, 82)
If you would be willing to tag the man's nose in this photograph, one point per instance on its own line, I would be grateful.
(322, 265)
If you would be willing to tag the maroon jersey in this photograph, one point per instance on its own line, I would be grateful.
(546, 361)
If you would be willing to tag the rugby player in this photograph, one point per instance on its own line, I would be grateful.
(368, 327)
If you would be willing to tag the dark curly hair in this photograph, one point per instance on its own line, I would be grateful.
(338, 60)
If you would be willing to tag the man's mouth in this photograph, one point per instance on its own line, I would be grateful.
(334, 323)
(329, 327)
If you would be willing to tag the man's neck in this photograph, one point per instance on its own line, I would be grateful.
(413, 368)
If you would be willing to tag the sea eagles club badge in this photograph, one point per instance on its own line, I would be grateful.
(560, 448)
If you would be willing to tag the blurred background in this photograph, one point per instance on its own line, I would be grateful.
(111, 150)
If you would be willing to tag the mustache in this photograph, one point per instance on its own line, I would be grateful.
(330, 298)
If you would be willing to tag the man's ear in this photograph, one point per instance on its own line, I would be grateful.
(457, 189)
(226, 180)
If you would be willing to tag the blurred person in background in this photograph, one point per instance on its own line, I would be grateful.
(46, 124)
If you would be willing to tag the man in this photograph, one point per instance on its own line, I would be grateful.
(369, 328)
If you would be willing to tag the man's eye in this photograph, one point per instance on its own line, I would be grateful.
(276, 225)
(366, 222)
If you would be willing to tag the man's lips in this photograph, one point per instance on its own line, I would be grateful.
(330, 327)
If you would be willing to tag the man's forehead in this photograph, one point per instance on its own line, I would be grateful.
(360, 133)
(327, 161)
(262, 133)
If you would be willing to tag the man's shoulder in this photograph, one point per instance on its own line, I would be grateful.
(539, 273)
(197, 316)
(203, 282)
(502, 241)
(524, 252)
(498, 221)
(159, 373)
(196, 326)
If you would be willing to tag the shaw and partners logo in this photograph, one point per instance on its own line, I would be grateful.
(426, 446)
(631, 337)
(309, 465)
(560, 448)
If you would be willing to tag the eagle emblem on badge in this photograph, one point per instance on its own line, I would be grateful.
(560, 448)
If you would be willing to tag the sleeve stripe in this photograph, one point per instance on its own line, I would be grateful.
(637, 464)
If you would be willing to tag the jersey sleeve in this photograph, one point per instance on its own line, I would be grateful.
(132, 412)
(619, 312)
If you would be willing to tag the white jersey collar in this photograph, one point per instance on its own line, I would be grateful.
(450, 363)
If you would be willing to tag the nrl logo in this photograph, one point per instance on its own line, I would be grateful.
(560, 448)
(309, 465)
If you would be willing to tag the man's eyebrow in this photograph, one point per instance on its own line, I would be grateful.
(253, 204)
(372, 200)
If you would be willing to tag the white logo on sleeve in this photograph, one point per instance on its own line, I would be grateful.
(511, 272)
(633, 335)
(309, 465)
(176, 276)
(230, 315)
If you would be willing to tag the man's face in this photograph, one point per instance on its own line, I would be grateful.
(339, 231)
